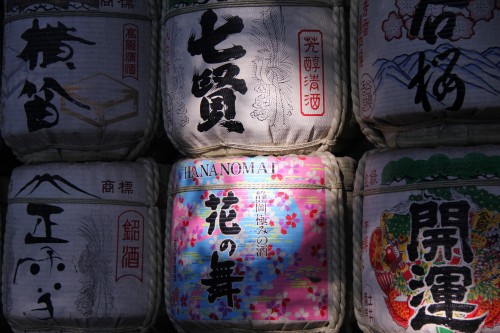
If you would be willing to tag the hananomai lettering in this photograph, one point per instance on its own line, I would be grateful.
(228, 169)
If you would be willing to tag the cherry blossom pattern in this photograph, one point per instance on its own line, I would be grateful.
(295, 260)
(194, 310)
(463, 28)
(313, 177)
(272, 311)
(301, 314)
(320, 298)
(184, 300)
(481, 9)
(310, 210)
(466, 18)
(281, 200)
(292, 166)
(407, 7)
(278, 262)
(319, 252)
(276, 309)
(393, 27)
(290, 221)
(224, 310)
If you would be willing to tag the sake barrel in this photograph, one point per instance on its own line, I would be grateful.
(426, 73)
(82, 248)
(79, 79)
(251, 78)
(426, 248)
(256, 243)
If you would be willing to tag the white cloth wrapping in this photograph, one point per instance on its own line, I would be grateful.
(82, 249)
(425, 237)
(255, 77)
(80, 79)
(426, 73)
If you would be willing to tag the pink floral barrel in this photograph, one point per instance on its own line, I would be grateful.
(82, 248)
(257, 243)
(426, 246)
(427, 72)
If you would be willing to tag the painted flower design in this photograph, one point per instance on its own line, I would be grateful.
(254, 275)
(406, 7)
(481, 9)
(278, 261)
(320, 311)
(311, 210)
(317, 226)
(433, 10)
(393, 26)
(224, 310)
(463, 28)
(296, 259)
(214, 242)
(301, 314)
(319, 252)
(193, 208)
(313, 178)
(269, 315)
(205, 273)
(281, 200)
(194, 311)
(283, 299)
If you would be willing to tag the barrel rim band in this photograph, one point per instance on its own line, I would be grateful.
(257, 186)
(259, 148)
(19, 17)
(251, 3)
(435, 122)
(428, 185)
(81, 201)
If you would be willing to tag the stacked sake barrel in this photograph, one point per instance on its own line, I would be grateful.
(240, 77)
(426, 73)
(426, 249)
(81, 79)
(255, 93)
(82, 240)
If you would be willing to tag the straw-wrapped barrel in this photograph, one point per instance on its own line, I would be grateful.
(79, 79)
(257, 243)
(426, 247)
(255, 77)
(426, 73)
(82, 248)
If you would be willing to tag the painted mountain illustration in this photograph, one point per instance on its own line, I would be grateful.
(480, 71)
(56, 181)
